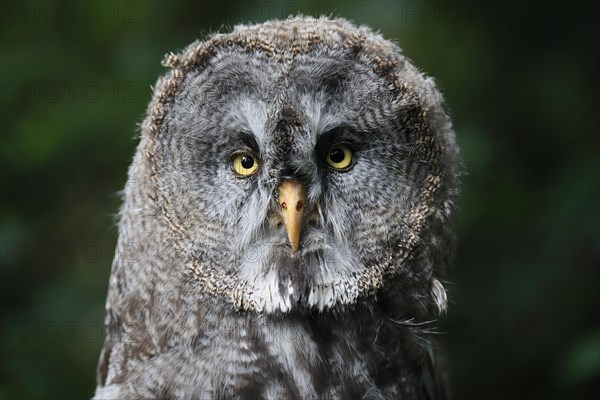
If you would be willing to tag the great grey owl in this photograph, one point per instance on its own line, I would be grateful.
(286, 222)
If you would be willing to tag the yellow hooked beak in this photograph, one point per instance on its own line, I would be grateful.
(291, 201)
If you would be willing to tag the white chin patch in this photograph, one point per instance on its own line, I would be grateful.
(322, 280)
(267, 296)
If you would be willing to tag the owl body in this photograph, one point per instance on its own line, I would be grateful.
(286, 221)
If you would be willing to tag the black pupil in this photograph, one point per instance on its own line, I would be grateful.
(337, 155)
(247, 162)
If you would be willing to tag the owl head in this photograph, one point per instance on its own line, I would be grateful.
(291, 166)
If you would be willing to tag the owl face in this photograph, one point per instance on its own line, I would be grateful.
(298, 178)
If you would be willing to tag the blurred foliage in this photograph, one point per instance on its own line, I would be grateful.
(521, 81)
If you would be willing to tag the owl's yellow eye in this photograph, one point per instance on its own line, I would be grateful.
(339, 157)
(243, 164)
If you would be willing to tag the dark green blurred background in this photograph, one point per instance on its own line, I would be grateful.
(521, 81)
